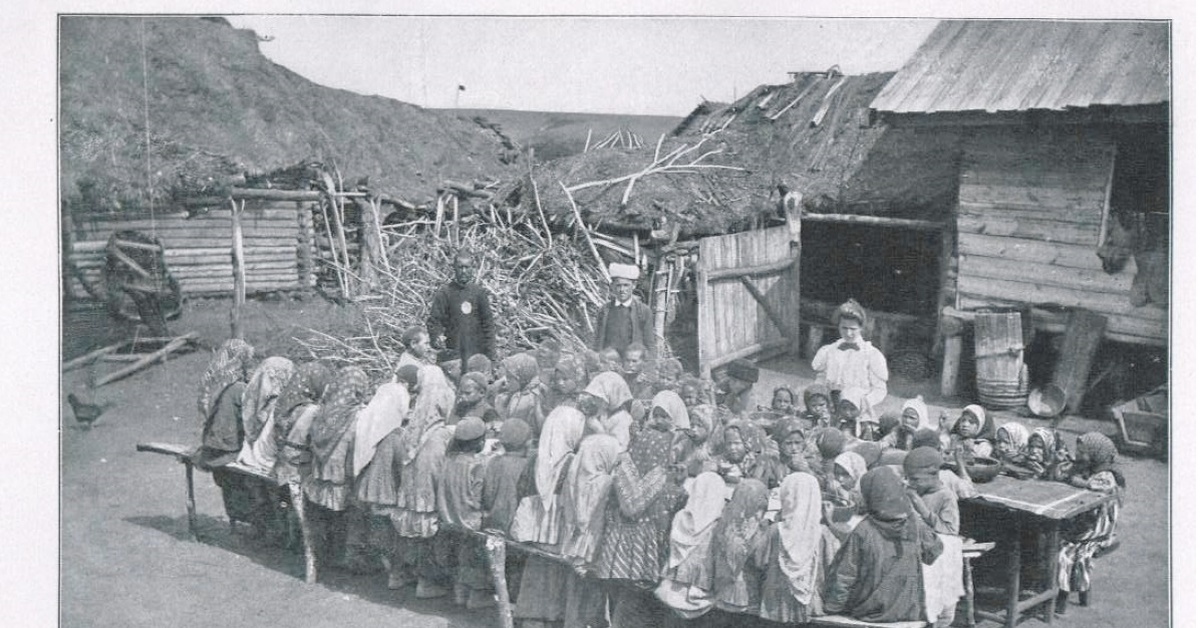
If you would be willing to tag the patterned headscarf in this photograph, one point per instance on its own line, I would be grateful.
(229, 364)
(1048, 436)
(610, 387)
(343, 399)
(1018, 436)
(817, 389)
(434, 402)
(524, 368)
(571, 367)
(789, 426)
(1099, 450)
(306, 385)
(736, 529)
(800, 533)
(259, 400)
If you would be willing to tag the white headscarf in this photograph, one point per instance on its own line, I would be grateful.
(918, 403)
(695, 523)
(800, 533)
(672, 403)
(560, 436)
(385, 412)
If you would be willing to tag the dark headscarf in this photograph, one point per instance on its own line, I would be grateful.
(231, 363)
(344, 397)
(649, 449)
(884, 494)
(523, 367)
(736, 529)
(1101, 454)
(870, 452)
(830, 442)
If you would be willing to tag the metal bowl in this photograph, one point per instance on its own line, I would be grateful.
(1047, 402)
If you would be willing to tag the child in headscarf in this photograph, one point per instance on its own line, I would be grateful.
(1046, 457)
(1096, 532)
(796, 554)
(259, 448)
(818, 405)
(791, 435)
(568, 381)
(539, 518)
(294, 411)
(849, 415)
(687, 581)
(1012, 441)
(742, 529)
(670, 373)
(848, 470)
(973, 433)
(693, 392)
(377, 465)
(825, 445)
(742, 454)
(914, 415)
(937, 506)
(220, 405)
(523, 391)
(610, 360)
(460, 502)
(424, 439)
(605, 403)
(876, 575)
(586, 493)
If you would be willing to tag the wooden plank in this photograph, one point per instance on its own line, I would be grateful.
(1030, 229)
(1035, 211)
(1051, 500)
(1080, 342)
(1030, 251)
(1037, 294)
(877, 221)
(742, 273)
(1091, 280)
(92, 356)
(1120, 328)
(162, 353)
(767, 307)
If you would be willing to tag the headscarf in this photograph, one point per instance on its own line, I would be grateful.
(475, 377)
(987, 430)
(870, 452)
(752, 435)
(884, 494)
(818, 389)
(706, 416)
(1101, 454)
(434, 402)
(572, 367)
(672, 403)
(853, 464)
(736, 529)
(228, 365)
(917, 403)
(259, 400)
(800, 533)
(479, 363)
(342, 401)
(560, 435)
(385, 412)
(1018, 434)
(830, 442)
(788, 426)
(590, 475)
(610, 387)
(649, 449)
(523, 367)
(306, 385)
(1049, 438)
(692, 525)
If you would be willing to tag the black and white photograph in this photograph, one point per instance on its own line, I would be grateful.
(611, 318)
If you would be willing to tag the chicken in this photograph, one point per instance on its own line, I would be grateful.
(87, 413)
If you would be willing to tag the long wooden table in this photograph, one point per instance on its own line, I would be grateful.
(1046, 506)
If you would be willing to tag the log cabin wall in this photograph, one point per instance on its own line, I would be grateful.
(1030, 207)
(277, 236)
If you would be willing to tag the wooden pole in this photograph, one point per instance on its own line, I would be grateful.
(239, 272)
(306, 534)
(878, 221)
(92, 355)
(497, 556)
(149, 359)
(951, 364)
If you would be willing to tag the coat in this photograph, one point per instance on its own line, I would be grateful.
(643, 329)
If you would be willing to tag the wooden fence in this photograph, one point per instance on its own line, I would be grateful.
(748, 292)
(277, 238)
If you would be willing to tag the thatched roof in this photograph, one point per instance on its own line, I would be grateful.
(218, 109)
(779, 140)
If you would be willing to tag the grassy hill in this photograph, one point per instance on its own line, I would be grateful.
(212, 108)
(556, 134)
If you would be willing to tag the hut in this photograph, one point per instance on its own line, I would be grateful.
(1064, 177)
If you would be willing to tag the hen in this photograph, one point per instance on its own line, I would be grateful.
(86, 413)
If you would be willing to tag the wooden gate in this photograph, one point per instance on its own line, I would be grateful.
(748, 295)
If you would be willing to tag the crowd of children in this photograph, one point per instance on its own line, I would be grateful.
(663, 495)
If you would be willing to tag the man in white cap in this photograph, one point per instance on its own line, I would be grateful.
(625, 319)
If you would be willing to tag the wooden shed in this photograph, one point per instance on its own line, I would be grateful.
(1065, 140)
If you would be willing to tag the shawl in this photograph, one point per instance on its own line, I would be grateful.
(228, 365)
(1101, 454)
(1018, 436)
(987, 429)
(262, 392)
(736, 529)
(884, 494)
(524, 368)
(385, 412)
(800, 533)
(589, 478)
(571, 367)
(1048, 436)
(672, 403)
(340, 406)
(610, 387)
(559, 438)
(650, 449)
(434, 402)
(853, 464)
(694, 524)
(789, 426)
(704, 416)
(918, 403)
(305, 386)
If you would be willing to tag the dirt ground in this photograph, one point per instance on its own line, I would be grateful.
(126, 560)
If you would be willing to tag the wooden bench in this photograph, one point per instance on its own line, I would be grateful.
(971, 550)
(183, 454)
(842, 621)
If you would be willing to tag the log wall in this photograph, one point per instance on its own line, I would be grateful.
(1031, 204)
(277, 240)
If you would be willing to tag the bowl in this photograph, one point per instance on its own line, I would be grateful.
(842, 510)
(1047, 402)
(984, 469)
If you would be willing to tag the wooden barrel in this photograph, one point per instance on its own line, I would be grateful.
(1001, 378)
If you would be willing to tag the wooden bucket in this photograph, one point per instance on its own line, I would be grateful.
(1001, 378)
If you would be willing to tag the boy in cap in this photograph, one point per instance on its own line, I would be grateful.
(937, 506)
(852, 361)
(501, 477)
(460, 497)
(740, 377)
(625, 319)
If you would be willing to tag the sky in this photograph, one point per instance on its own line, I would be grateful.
(630, 65)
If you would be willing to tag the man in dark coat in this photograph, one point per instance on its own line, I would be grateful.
(460, 317)
(625, 319)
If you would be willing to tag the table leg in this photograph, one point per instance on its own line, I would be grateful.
(306, 535)
(1051, 568)
(1014, 576)
(191, 500)
(969, 585)
(497, 555)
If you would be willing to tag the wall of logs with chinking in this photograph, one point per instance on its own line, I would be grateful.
(280, 246)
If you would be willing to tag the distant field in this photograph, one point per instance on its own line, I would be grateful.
(555, 134)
